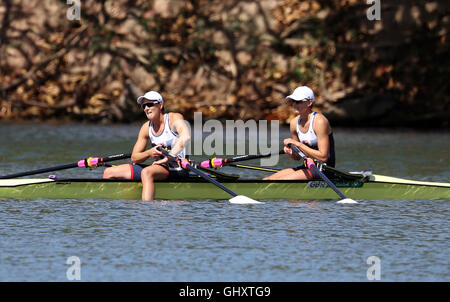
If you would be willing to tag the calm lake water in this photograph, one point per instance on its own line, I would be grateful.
(206, 240)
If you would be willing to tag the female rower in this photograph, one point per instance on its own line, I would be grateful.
(311, 133)
(167, 130)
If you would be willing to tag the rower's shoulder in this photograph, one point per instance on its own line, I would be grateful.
(321, 118)
(321, 122)
(175, 116)
(294, 121)
(145, 127)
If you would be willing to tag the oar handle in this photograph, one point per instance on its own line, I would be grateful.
(309, 162)
(213, 163)
(96, 161)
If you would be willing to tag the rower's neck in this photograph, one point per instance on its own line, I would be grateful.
(305, 117)
(158, 122)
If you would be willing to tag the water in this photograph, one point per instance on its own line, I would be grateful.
(209, 240)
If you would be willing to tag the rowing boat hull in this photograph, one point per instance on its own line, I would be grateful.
(201, 190)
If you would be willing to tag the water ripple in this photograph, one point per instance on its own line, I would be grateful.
(205, 240)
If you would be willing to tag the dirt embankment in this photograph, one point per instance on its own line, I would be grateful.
(227, 59)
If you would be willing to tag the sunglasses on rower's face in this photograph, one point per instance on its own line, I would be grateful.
(292, 102)
(149, 105)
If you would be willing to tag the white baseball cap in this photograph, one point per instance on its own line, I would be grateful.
(302, 93)
(151, 96)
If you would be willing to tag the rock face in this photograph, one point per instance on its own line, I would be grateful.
(227, 59)
(362, 111)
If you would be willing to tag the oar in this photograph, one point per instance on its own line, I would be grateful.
(84, 163)
(218, 174)
(238, 199)
(220, 162)
(311, 165)
(252, 167)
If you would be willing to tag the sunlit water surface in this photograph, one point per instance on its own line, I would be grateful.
(205, 240)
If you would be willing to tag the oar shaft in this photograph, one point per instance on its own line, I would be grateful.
(38, 171)
(250, 167)
(80, 163)
(328, 181)
(219, 162)
(205, 176)
(315, 169)
(251, 156)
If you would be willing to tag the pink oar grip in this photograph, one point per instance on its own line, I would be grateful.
(309, 163)
(212, 163)
(217, 162)
(81, 163)
(93, 161)
(205, 164)
(184, 163)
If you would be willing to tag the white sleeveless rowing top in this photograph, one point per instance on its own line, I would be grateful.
(309, 137)
(167, 138)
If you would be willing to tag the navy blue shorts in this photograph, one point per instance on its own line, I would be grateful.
(173, 172)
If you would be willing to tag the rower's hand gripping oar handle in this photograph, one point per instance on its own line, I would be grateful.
(182, 162)
(307, 161)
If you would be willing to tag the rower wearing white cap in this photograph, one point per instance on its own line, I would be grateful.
(167, 130)
(311, 133)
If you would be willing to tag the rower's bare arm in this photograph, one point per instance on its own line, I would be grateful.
(179, 126)
(140, 153)
(322, 128)
(292, 140)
